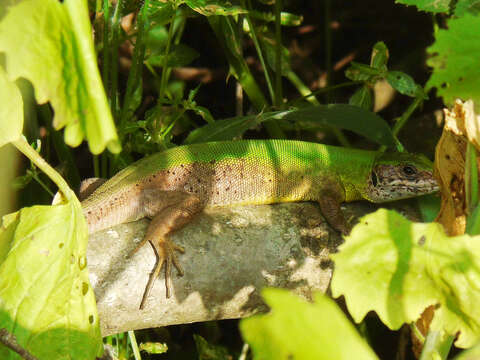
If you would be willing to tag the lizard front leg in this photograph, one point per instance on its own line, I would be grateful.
(170, 211)
(330, 208)
(330, 196)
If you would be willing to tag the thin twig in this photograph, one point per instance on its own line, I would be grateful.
(10, 341)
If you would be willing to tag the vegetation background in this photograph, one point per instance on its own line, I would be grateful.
(176, 72)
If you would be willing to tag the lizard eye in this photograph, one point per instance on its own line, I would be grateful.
(374, 178)
(409, 170)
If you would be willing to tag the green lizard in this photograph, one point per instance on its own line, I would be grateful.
(171, 187)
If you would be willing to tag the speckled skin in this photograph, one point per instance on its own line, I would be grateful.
(232, 173)
(172, 186)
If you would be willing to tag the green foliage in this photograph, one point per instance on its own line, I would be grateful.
(59, 60)
(214, 7)
(208, 351)
(410, 266)
(455, 60)
(378, 70)
(341, 116)
(47, 302)
(180, 55)
(11, 110)
(470, 354)
(464, 7)
(297, 329)
(153, 347)
(435, 6)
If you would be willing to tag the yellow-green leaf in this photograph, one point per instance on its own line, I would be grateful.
(297, 329)
(50, 44)
(11, 110)
(397, 268)
(46, 300)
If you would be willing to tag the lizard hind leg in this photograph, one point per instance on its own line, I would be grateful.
(175, 211)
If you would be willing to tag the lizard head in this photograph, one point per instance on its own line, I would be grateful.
(397, 176)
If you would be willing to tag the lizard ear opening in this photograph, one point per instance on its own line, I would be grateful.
(374, 178)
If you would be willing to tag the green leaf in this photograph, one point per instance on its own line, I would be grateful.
(403, 83)
(470, 354)
(464, 7)
(362, 72)
(226, 129)
(156, 39)
(341, 116)
(154, 347)
(160, 12)
(214, 7)
(397, 268)
(435, 6)
(179, 55)
(226, 30)
(379, 57)
(269, 45)
(362, 98)
(208, 351)
(455, 60)
(286, 19)
(297, 329)
(348, 117)
(59, 60)
(46, 300)
(11, 110)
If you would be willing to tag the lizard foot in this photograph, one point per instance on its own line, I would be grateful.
(165, 250)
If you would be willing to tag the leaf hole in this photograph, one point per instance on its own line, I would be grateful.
(90, 319)
(82, 263)
(422, 240)
(84, 288)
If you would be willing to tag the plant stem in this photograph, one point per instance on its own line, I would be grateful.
(278, 99)
(328, 45)
(23, 146)
(471, 178)
(304, 90)
(106, 49)
(319, 91)
(114, 65)
(406, 115)
(10, 341)
(437, 345)
(164, 77)
(253, 34)
(133, 340)
(135, 76)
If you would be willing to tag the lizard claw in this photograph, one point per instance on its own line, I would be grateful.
(165, 250)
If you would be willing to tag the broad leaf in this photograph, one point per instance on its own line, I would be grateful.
(397, 268)
(348, 117)
(455, 60)
(60, 62)
(297, 329)
(464, 7)
(435, 6)
(46, 301)
(342, 116)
